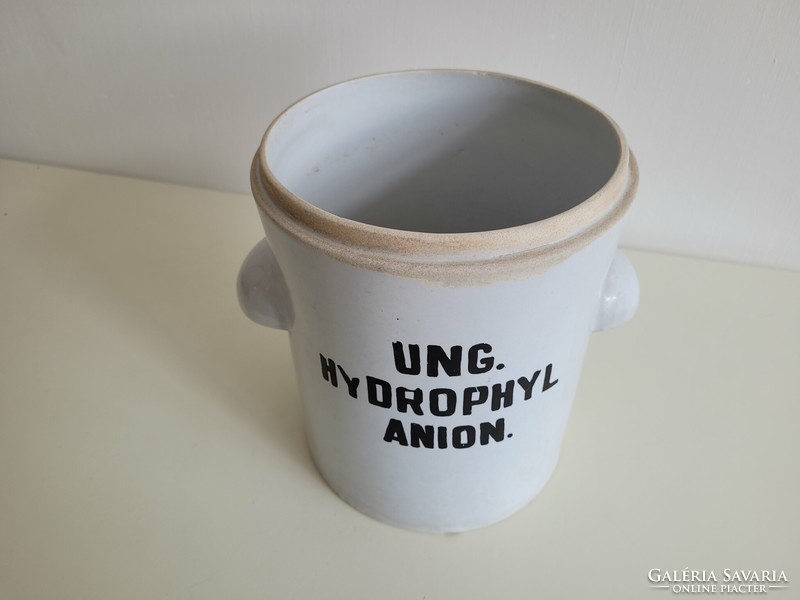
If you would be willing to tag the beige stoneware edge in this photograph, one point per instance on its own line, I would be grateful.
(450, 258)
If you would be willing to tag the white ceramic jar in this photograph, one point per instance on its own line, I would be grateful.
(441, 244)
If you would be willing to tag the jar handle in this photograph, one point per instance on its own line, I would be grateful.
(262, 290)
(620, 296)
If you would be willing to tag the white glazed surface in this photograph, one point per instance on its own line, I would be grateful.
(352, 316)
(473, 213)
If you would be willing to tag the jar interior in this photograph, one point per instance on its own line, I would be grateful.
(443, 151)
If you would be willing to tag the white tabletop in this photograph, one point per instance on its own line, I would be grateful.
(151, 442)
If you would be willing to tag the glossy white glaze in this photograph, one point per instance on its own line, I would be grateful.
(471, 431)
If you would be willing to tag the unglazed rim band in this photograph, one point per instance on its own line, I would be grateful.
(434, 255)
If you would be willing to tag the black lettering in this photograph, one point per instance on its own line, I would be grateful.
(477, 365)
(451, 363)
(500, 395)
(548, 383)
(441, 433)
(413, 366)
(527, 384)
(470, 400)
(395, 433)
(328, 370)
(458, 436)
(352, 384)
(421, 435)
(403, 400)
(373, 383)
(496, 431)
(450, 409)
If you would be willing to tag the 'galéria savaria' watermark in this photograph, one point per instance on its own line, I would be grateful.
(726, 581)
